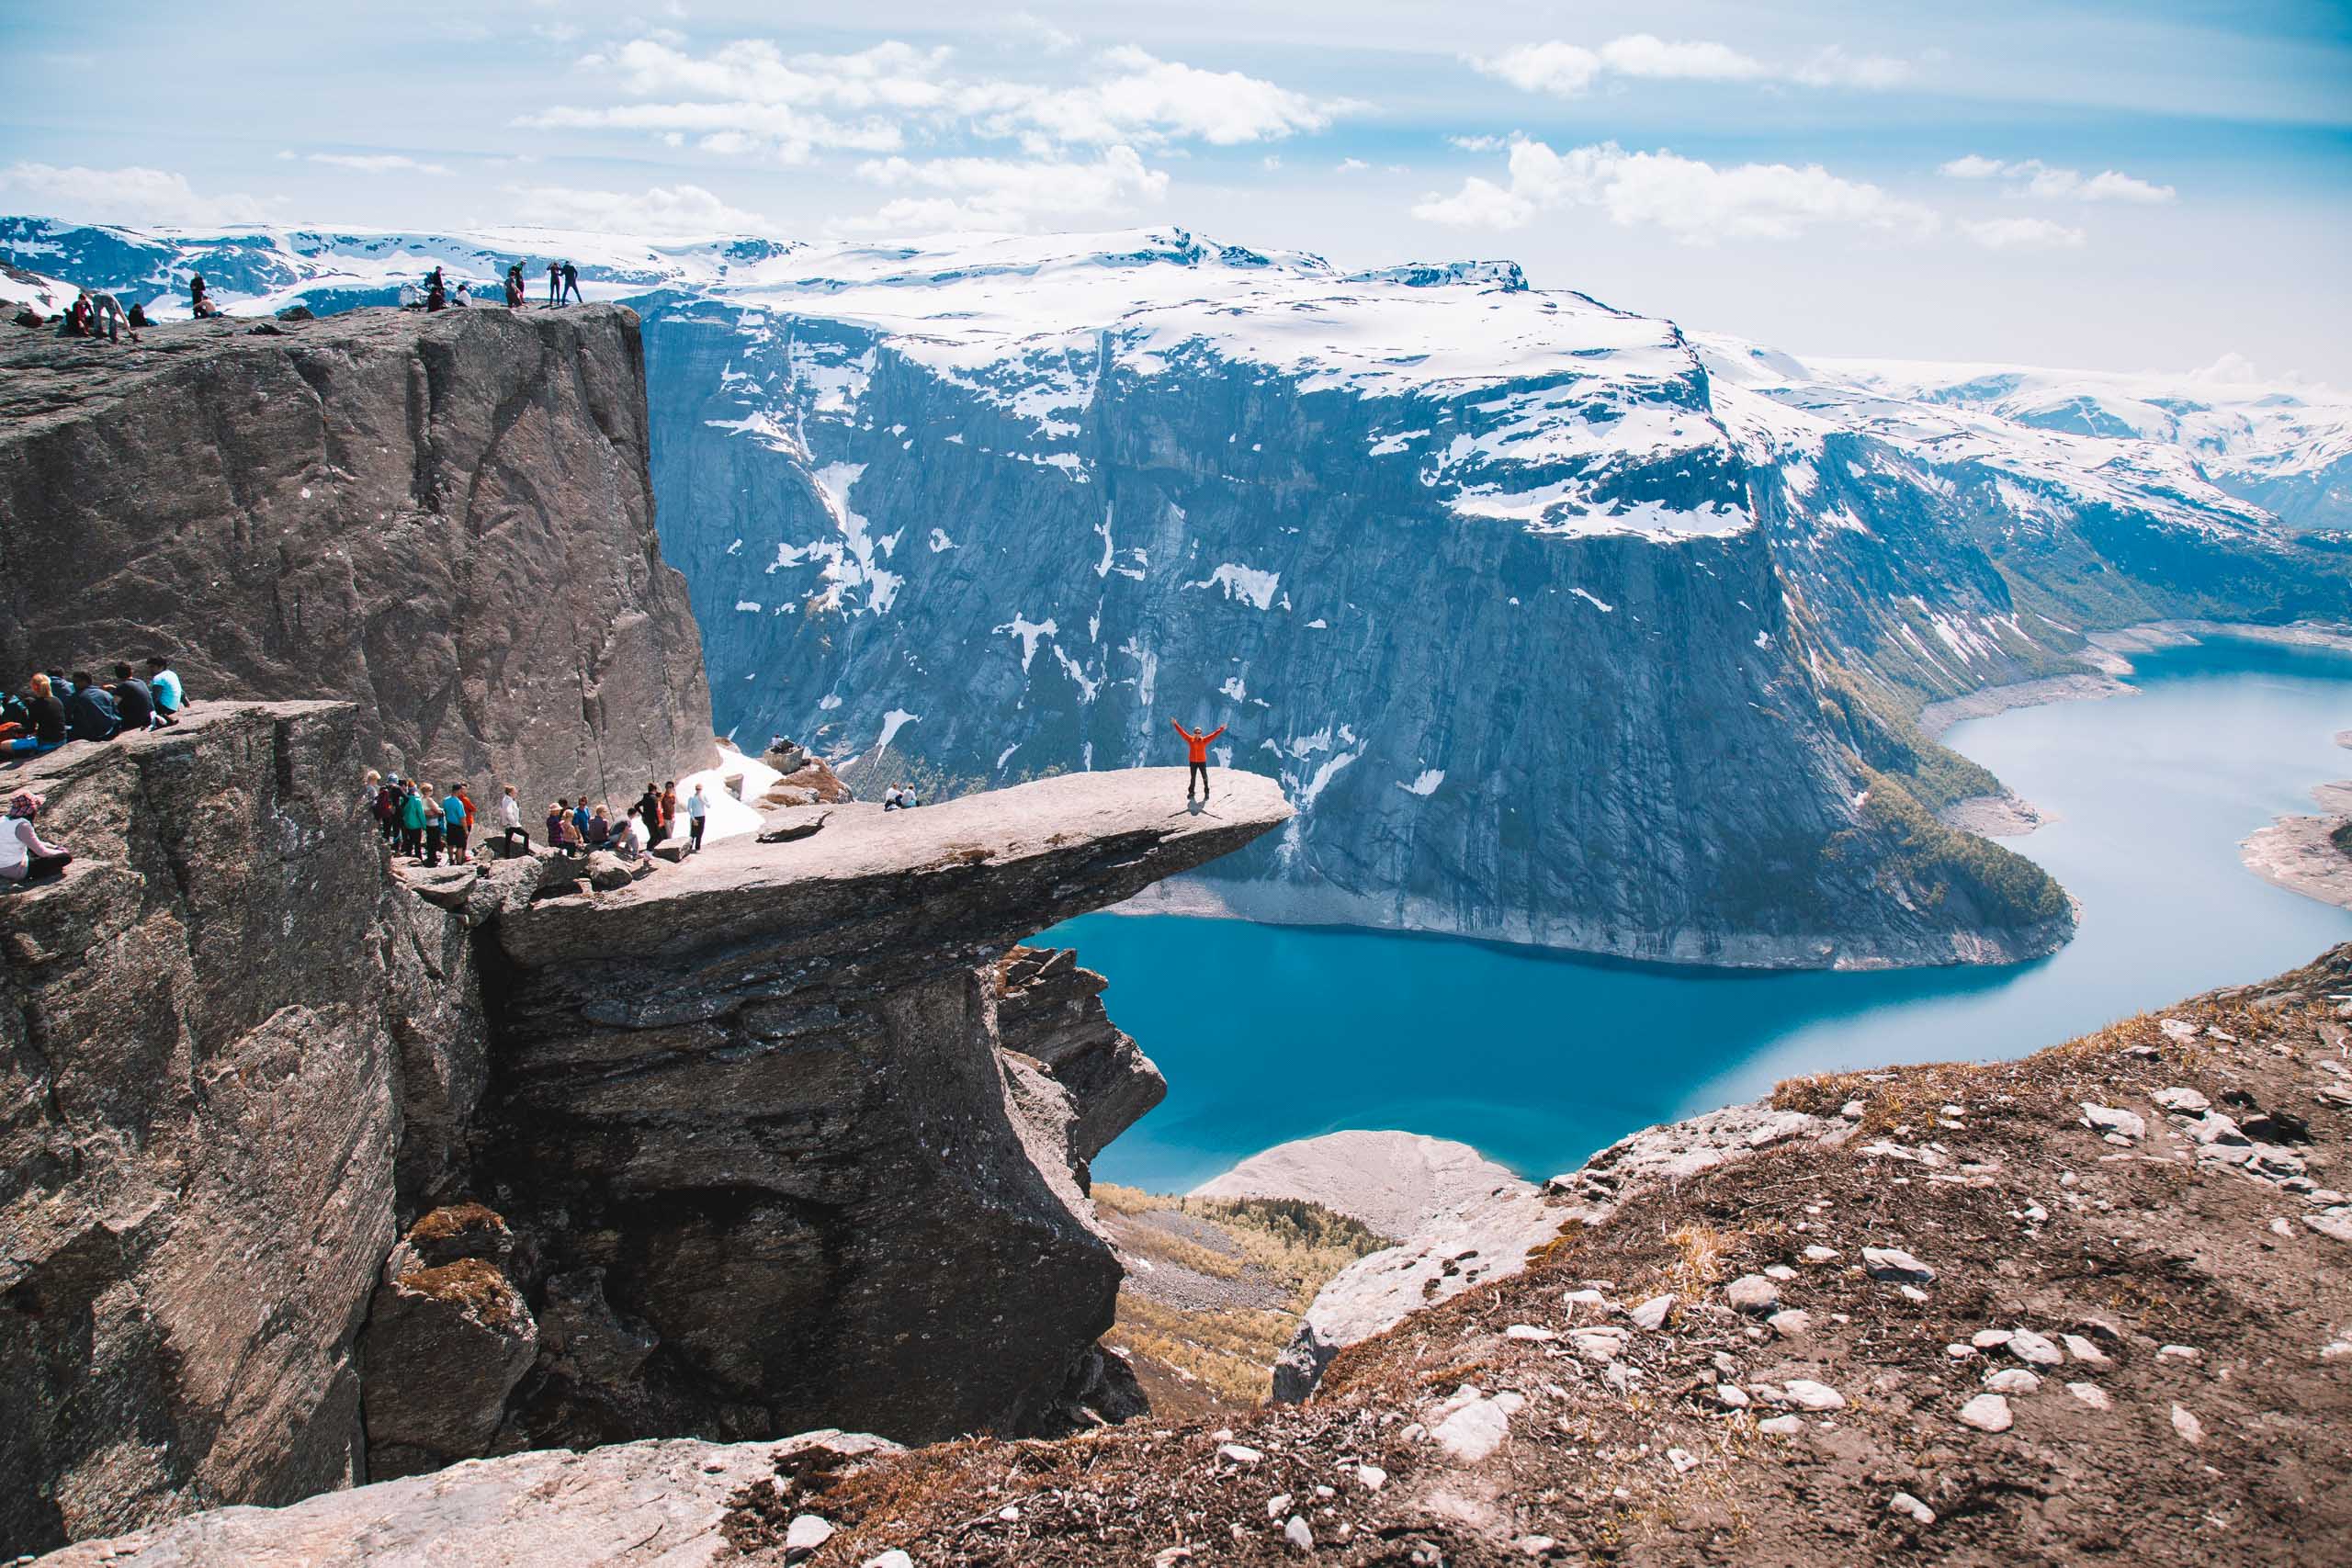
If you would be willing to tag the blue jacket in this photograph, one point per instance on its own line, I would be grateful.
(166, 683)
(90, 714)
(454, 810)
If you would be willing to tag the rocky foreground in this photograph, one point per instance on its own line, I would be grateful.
(2092, 1303)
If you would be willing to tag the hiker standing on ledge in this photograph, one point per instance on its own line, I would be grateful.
(1198, 746)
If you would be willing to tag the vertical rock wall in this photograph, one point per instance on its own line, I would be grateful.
(447, 519)
(198, 1123)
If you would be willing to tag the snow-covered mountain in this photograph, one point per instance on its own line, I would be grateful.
(1557, 623)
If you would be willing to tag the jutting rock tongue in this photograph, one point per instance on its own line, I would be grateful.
(804, 1115)
(446, 519)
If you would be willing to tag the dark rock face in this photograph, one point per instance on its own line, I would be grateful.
(199, 1125)
(1054, 1010)
(446, 519)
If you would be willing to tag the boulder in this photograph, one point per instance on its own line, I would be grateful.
(445, 1346)
(549, 1508)
(607, 872)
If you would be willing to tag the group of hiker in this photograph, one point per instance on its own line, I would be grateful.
(425, 824)
(434, 294)
(55, 707)
(95, 313)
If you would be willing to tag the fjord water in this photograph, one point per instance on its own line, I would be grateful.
(1271, 1032)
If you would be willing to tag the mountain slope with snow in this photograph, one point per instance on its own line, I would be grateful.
(1557, 623)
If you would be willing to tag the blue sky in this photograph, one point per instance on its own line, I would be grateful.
(2120, 186)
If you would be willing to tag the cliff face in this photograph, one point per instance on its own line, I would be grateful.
(446, 519)
(200, 1130)
(741, 1148)
(1577, 731)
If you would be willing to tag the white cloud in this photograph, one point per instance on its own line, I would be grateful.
(133, 195)
(1973, 167)
(1043, 33)
(1350, 166)
(1833, 67)
(2022, 234)
(1005, 193)
(2032, 176)
(373, 162)
(1567, 70)
(1140, 98)
(1646, 55)
(749, 97)
(1560, 68)
(683, 211)
(1695, 200)
(1479, 143)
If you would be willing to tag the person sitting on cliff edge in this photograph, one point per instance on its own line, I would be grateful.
(44, 718)
(899, 797)
(1197, 748)
(165, 683)
(133, 699)
(90, 713)
(24, 854)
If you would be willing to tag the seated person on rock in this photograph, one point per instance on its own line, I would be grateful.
(46, 718)
(600, 827)
(133, 700)
(899, 798)
(165, 683)
(90, 712)
(24, 854)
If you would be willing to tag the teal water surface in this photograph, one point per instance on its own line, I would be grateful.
(1272, 1033)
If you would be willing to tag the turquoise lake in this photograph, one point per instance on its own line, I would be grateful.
(1272, 1033)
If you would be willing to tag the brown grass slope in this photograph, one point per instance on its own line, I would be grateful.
(2210, 1311)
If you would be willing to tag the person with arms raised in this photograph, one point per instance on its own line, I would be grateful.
(1197, 748)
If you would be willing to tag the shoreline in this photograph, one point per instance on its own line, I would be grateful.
(2109, 652)
(1282, 904)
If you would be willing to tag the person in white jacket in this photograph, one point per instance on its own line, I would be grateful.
(697, 814)
(510, 818)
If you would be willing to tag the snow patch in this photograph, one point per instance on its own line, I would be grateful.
(1244, 583)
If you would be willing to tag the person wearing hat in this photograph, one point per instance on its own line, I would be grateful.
(24, 854)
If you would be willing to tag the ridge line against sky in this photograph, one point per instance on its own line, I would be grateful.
(2126, 186)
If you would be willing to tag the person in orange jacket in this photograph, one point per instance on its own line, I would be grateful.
(1198, 745)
